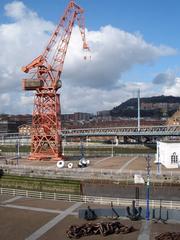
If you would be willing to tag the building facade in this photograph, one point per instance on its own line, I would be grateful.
(7, 126)
(25, 129)
(168, 154)
(175, 119)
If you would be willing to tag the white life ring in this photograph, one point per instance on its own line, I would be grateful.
(60, 164)
(70, 165)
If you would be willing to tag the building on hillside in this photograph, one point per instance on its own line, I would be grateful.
(175, 119)
(7, 126)
(164, 106)
(67, 117)
(79, 116)
(105, 115)
(168, 154)
(23, 119)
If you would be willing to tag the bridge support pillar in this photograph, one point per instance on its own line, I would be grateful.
(125, 139)
(116, 140)
(87, 140)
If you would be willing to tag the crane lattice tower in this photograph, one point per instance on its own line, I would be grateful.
(45, 73)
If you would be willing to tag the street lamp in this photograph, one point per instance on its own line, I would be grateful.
(112, 154)
(148, 159)
(63, 148)
(17, 151)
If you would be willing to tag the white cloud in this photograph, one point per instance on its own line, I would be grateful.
(173, 90)
(5, 99)
(20, 42)
(87, 85)
(114, 52)
(18, 10)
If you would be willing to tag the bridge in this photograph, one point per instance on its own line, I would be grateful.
(148, 131)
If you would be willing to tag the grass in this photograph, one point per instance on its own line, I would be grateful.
(12, 148)
(40, 184)
(89, 149)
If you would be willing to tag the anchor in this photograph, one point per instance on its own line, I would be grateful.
(114, 211)
(136, 212)
(90, 214)
(160, 219)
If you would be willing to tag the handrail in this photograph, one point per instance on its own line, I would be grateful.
(88, 199)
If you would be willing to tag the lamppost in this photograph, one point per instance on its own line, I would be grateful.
(112, 154)
(82, 149)
(139, 106)
(63, 145)
(158, 160)
(148, 159)
(17, 151)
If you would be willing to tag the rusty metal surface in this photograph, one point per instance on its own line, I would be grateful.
(168, 236)
(102, 228)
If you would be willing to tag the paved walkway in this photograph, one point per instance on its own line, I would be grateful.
(12, 199)
(145, 231)
(35, 209)
(126, 164)
(31, 208)
(41, 231)
(102, 160)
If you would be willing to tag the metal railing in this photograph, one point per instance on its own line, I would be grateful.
(88, 173)
(88, 199)
(173, 130)
(124, 131)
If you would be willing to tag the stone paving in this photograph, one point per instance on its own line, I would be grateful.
(31, 219)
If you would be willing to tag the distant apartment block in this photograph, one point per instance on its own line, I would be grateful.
(7, 126)
(67, 117)
(78, 116)
(105, 115)
(163, 106)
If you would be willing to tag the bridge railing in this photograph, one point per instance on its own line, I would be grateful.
(172, 129)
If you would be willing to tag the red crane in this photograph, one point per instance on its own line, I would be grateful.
(45, 77)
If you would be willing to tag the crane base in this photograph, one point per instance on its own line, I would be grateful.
(44, 158)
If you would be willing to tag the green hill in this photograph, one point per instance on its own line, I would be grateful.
(154, 107)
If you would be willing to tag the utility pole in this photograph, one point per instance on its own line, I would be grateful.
(17, 151)
(82, 149)
(63, 146)
(112, 153)
(148, 159)
(139, 123)
(158, 160)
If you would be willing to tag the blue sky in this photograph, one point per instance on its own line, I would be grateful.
(157, 22)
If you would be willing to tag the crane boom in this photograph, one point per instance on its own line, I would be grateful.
(45, 73)
(53, 57)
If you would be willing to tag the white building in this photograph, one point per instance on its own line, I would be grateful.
(168, 154)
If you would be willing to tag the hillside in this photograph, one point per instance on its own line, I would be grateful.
(154, 107)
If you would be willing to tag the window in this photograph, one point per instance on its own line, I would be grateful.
(174, 158)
